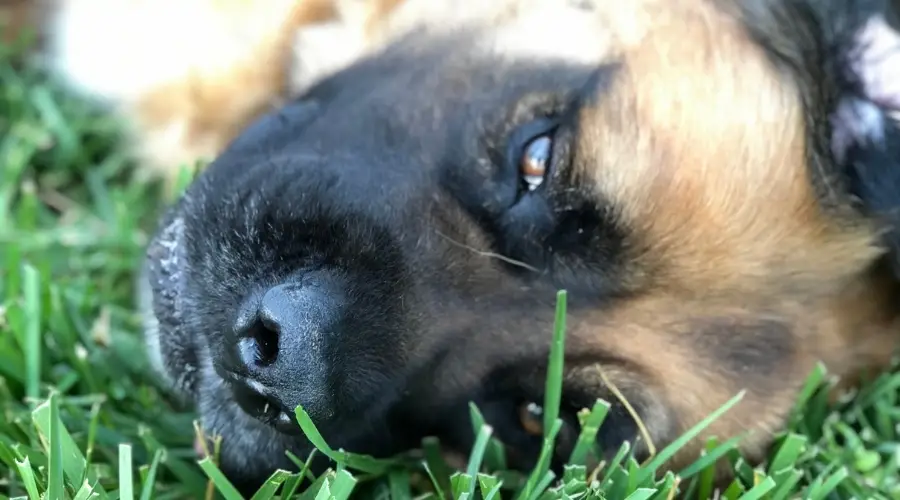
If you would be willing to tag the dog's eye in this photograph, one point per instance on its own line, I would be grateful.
(535, 159)
(531, 416)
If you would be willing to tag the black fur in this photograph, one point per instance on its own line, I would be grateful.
(874, 176)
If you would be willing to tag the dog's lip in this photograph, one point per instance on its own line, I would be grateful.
(272, 415)
(280, 420)
(286, 424)
(231, 375)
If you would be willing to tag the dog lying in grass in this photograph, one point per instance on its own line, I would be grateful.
(714, 182)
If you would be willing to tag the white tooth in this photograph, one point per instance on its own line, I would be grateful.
(266, 408)
(284, 418)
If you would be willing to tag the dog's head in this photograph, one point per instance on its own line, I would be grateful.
(695, 173)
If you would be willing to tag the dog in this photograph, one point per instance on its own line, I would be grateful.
(715, 184)
(186, 76)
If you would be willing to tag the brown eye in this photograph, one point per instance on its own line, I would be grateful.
(534, 161)
(531, 415)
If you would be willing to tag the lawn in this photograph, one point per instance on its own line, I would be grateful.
(84, 419)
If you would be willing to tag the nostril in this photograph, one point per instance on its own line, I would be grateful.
(259, 347)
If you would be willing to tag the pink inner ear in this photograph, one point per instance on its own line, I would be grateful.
(877, 63)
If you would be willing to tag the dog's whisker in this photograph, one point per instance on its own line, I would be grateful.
(491, 255)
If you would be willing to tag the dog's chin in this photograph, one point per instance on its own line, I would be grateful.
(249, 450)
(252, 448)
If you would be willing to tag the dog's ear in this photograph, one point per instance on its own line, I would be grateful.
(865, 137)
(161, 296)
(845, 57)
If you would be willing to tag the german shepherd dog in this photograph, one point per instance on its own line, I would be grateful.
(714, 182)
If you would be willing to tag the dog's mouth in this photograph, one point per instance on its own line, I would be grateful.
(265, 409)
(256, 402)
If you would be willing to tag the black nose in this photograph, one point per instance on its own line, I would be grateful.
(282, 342)
(280, 313)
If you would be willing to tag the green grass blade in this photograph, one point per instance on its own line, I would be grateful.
(343, 485)
(494, 456)
(588, 435)
(710, 458)
(126, 478)
(149, 481)
(316, 488)
(222, 484)
(477, 454)
(33, 340)
(461, 484)
(270, 488)
(56, 486)
(74, 463)
(291, 485)
(362, 463)
(27, 474)
(679, 443)
(398, 484)
(828, 485)
(553, 390)
(552, 399)
(760, 489)
(85, 492)
(486, 483)
(788, 485)
(324, 492)
(494, 493)
(788, 453)
(436, 467)
(641, 494)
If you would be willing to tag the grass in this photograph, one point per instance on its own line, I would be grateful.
(83, 419)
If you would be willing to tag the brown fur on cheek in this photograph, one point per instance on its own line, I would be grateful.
(701, 148)
(694, 356)
(690, 359)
